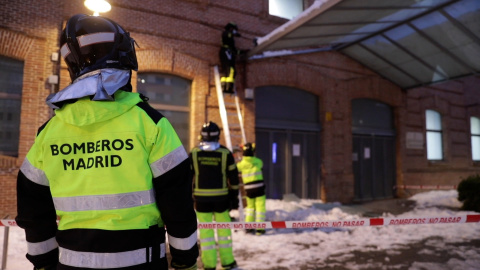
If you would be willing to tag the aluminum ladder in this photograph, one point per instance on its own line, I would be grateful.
(230, 121)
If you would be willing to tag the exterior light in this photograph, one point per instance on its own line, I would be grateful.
(97, 6)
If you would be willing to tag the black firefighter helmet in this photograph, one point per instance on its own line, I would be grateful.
(89, 43)
(232, 27)
(248, 149)
(210, 132)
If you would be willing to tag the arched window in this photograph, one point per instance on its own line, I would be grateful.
(475, 132)
(170, 95)
(434, 135)
(11, 83)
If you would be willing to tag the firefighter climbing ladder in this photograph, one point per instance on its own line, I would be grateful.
(226, 127)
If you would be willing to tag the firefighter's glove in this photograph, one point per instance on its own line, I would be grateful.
(233, 199)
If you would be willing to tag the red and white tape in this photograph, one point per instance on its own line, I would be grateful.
(8, 222)
(342, 223)
(425, 187)
(325, 223)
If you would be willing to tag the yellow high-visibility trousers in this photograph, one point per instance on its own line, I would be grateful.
(255, 209)
(208, 242)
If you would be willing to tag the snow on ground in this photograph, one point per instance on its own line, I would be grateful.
(412, 247)
(310, 248)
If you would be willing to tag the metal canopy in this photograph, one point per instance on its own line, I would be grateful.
(409, 42)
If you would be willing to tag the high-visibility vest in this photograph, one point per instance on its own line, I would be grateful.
(211, 170)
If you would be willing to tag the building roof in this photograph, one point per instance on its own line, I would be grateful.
(409, 42)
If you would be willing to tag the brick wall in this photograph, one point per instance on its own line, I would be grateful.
(177, 37)
(337, 80)
(456, 101)
(29, 50)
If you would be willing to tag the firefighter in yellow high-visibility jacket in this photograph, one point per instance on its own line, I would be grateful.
(250, 168)
(215, 191)
(111, 167)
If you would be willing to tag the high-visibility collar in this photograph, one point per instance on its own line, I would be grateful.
(101, 84)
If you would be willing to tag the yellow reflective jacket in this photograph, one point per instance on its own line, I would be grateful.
(250, 169)
(114, 172)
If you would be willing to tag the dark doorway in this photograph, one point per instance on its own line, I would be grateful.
(373, 157)
(287, 139)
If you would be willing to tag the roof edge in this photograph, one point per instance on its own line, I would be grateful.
(311, 12)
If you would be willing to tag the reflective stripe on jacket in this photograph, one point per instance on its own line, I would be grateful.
(250, 169)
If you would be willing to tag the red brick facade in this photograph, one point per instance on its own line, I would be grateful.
(182, 37)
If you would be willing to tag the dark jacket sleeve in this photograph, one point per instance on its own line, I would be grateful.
(173, 193)
(36, 215)
(232, 171)
(232, 174)
(174, 199)
(192, 169)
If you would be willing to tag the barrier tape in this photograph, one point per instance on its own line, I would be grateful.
(425, 187)
(326, 223)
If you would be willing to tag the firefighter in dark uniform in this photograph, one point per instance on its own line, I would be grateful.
(108, 165)
(250, 168)
(215, 191)
(228, 55)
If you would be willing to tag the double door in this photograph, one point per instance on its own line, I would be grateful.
(373, 166)
(291, 162)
